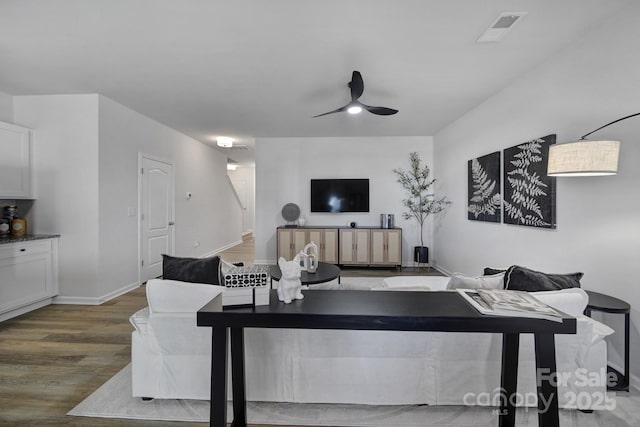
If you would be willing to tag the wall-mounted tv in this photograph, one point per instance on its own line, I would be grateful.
(339, 195)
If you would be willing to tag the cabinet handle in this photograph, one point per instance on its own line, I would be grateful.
(22, 250)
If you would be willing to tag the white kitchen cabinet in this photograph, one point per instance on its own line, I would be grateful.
(28, 275)
(17, 168)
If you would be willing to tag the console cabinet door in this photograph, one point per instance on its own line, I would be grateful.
(285, 242)
(347, 246)
(329, 252)
(362, 246)
(354, 246)
(378, 246)
(394, 247)
(386, 247)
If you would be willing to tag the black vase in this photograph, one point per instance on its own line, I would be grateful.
(421, 254)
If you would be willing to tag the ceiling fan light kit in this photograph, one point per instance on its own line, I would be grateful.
(224, 141)
(356, 85)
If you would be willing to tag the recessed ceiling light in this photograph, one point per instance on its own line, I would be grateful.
(501, 26)
(354, 110)
(224, 141)
(231, 167)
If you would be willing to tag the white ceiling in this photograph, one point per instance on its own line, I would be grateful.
(263, 68)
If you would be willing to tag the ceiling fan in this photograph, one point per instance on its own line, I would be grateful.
(354, 107)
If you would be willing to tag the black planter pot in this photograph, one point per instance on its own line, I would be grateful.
(421, 254)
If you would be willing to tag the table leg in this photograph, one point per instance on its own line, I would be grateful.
(218, 398)
(509, 379)
(546, 378)
(237, 378)
(627, 373)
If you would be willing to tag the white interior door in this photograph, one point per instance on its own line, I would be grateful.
(240, 187)
(156, 215)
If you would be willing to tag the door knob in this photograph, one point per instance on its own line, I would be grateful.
(171, 223)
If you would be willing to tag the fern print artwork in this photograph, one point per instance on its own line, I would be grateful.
(529, 194)
(484, 200)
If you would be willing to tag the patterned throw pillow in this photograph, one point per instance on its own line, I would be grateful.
(252, 276)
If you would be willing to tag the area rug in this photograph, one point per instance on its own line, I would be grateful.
(113, 400)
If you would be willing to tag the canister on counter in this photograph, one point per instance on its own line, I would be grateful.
(18, 227)
(5, 227)
(10, 211)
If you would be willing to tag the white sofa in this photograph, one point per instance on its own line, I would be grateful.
(171, 357)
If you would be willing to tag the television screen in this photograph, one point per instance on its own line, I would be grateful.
(339, 195)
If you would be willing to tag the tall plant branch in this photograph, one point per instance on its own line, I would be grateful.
(421, 201)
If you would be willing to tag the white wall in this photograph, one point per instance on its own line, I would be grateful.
(285, 166)
(598, 232)
(208, 217)
(6, 108)
(66, 140)
(87, 164)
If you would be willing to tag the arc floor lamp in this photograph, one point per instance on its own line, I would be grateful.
(585, 157)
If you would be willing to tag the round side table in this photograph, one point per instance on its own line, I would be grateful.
(608, 304)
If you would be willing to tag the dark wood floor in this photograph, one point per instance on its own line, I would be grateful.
(53, 358)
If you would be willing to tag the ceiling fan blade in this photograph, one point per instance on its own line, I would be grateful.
(334, 111)
(356, 85)
(381, 111)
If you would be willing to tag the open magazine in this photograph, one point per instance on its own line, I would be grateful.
(502, 302)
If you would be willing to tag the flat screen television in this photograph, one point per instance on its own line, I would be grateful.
(339, 195)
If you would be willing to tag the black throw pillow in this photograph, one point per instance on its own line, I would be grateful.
(490, 271)
(523, 279)
(194, 270)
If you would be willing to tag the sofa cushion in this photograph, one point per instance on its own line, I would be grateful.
(172, 296)
(571, 301)
(519, 278)
(460, 281)
(433, 283)
(195, 270)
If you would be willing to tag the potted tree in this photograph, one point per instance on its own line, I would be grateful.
(421, 201)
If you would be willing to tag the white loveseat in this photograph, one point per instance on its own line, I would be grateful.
(171, 358)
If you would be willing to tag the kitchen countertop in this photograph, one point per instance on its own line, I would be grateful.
(26, 237)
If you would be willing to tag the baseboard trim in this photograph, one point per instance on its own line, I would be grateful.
(223, 248)
(24, 309)
(264, 262)
(95, 300)
(442, 270)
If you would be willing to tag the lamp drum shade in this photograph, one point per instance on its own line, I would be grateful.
(584, 158)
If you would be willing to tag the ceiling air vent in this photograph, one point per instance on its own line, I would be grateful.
(239, 147)
(501, 26)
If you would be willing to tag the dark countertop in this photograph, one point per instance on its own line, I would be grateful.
(27, 237)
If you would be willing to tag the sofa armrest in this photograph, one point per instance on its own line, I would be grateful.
(172, 296)
(140, 320)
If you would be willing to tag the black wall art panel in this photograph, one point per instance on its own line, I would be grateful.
(483, 196)
(529, 194)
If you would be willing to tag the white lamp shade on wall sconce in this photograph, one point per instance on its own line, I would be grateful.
(584, 158)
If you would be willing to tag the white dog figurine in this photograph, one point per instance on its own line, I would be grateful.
(289, 287)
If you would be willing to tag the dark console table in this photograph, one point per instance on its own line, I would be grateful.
(608, 304)
(394, 311)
